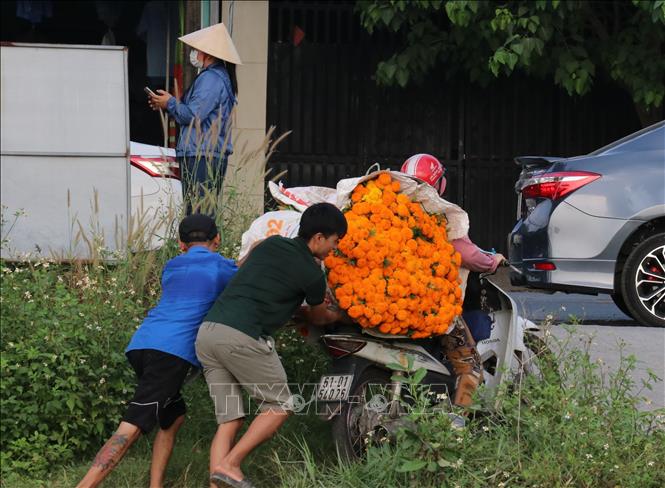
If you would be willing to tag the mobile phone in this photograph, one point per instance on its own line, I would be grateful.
(149, 92)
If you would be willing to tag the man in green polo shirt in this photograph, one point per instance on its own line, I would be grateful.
(234, 343)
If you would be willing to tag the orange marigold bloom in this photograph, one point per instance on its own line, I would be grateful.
(384, 179)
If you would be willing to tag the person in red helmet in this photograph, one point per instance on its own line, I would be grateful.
(459, 345)
(428, 169)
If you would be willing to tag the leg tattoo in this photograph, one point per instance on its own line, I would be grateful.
(106, 457)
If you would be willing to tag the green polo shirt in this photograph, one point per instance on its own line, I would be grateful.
(269, 287)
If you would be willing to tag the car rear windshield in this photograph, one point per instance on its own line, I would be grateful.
(649, 138)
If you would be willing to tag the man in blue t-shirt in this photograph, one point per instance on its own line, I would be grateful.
(162, 351)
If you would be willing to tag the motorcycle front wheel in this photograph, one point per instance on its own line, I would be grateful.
(537, 360)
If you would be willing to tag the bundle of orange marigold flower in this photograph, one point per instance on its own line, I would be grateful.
(395, 269)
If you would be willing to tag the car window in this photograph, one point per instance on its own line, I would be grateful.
(647, 139)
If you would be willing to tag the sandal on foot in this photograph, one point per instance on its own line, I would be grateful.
(224, 481)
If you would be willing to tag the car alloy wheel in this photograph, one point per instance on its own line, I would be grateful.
(650, 282)
(643, 281)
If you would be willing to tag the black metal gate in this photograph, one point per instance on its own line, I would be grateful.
(322, 89)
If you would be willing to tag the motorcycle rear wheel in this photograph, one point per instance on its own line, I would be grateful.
(352, 427)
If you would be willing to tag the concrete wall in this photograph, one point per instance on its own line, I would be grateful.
(250, 35)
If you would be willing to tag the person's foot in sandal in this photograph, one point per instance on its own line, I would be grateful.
(220, 480)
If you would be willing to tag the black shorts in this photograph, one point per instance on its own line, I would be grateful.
(157, 396)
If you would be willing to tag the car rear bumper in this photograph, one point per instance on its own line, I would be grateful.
(573, 276)
(580, 250)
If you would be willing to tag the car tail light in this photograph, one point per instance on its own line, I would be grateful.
(157, 167)
(557, 185)
(544, 266)
(338, 348)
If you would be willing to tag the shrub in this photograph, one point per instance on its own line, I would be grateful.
(64, 375)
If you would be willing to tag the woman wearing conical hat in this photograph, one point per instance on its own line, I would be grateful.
(204, 112)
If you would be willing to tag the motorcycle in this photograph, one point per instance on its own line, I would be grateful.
(363, 394)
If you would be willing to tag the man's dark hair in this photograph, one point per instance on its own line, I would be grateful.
(324, 218)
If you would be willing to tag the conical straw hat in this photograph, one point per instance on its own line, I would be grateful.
(214, 40)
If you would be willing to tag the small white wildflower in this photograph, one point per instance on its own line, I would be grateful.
(46, 265)
(506, 474)
(104, 366)
(606, 446)
(60, 280)
(459, 439)
(501, 485)
(650, 464)
(27, 295)
(441, 396)
(102, 381)
(616, 466)
(459, 462)
(567, 416)
(10, 344)
(98, 328)
(486, 428)
(45, 365)
(82, 361)
(81, 314)
(101, 397)
(589, 456)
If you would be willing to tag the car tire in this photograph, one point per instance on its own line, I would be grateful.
(621, 304)
(643, 281)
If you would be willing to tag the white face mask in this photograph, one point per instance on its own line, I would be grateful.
(193, 58)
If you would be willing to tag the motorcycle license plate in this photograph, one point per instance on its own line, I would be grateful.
(334, 387)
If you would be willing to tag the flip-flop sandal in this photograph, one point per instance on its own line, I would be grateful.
(223, 481)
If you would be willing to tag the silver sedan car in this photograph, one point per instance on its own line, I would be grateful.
(596, 224)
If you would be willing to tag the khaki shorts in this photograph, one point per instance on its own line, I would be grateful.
(233, 360)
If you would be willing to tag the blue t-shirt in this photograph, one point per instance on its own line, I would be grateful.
(190, 284)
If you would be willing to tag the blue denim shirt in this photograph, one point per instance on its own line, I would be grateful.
(202, 129)
(190, 284)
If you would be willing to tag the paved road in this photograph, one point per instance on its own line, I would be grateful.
(607, 327)
(585, 308)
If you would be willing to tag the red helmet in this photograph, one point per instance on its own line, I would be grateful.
(426, 168)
